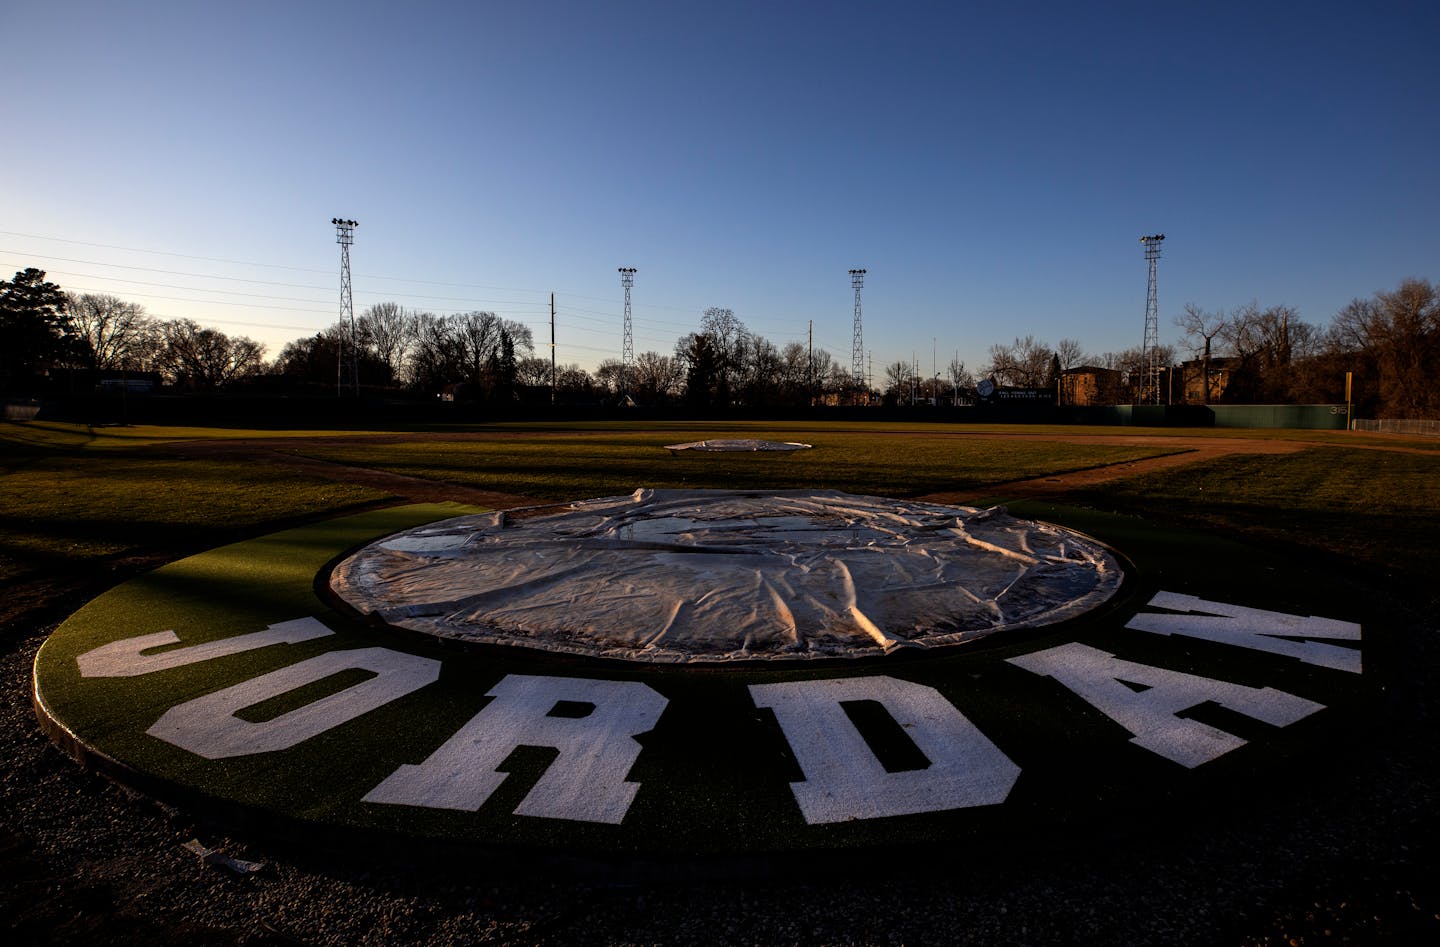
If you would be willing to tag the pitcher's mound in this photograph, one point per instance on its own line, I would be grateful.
(736, 445)
(712, 576)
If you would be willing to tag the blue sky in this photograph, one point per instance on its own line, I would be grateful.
(991, 164)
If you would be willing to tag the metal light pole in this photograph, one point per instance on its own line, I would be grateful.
(627, 346)
(857, 345)
(345, 236)
(1150, 348)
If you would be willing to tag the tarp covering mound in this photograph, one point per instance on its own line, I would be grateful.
(736, 445)
(694, 576)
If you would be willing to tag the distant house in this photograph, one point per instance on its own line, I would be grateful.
(1088, 385)
(1193, 375)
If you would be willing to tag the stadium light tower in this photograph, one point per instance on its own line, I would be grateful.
(347, 362)
(627, 346)
(1150, 348)
(857, 345)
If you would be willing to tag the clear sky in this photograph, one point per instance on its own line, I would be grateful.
(991, 164)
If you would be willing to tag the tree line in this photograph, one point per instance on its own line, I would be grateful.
(1390, 341)
(44, 329)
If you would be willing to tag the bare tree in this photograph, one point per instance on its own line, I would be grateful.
(206, 358)
(1201, 328)
(1396, 336)
(533, 372)
(1134, 366)
(1003, 366)
(899, 380)
(842, 383)
(726, 335)
(1071, 354)
(573, 383)
(961, 378)
(796, 379)
(656, 378)
(478, 348)
(759, 370)
(390, 330)
(609, 375)
(1024, 364)
(1032, 361)
(115, 333)
(477, 334)
(1264, 343)
(433, 361)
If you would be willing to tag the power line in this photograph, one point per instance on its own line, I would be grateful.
(187, 256)
(236, 279)
(658, 334)
(302, 269)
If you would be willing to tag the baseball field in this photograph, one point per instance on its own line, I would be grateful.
(1320, 825)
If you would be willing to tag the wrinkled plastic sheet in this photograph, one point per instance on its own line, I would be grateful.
(713, 576)
(736, 445)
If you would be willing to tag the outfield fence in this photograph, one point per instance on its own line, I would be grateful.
(21, 410)
(1398, 426)
(1329, 417)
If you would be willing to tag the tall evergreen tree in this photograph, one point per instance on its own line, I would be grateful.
(35, 330)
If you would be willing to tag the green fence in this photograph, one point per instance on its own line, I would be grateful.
(1324, 417)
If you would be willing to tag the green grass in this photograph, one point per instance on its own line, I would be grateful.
(1381, 508)
(71, 496)
(564, 466)
(68, 500)
(800, 430)
(21, 438)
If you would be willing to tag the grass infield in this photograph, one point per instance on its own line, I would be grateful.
(574, 465)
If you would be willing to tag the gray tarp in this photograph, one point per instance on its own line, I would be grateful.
(678, 576)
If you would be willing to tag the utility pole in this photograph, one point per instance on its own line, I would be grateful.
(810, 374)
(552, 348)
(347, 362)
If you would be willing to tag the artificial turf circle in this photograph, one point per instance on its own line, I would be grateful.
(715, 771)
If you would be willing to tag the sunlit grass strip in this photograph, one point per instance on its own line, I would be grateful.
(1378, 507)
(17, 436)
(789, 430)
(61, 511)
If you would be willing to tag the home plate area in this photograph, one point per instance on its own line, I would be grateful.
(711, 673)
